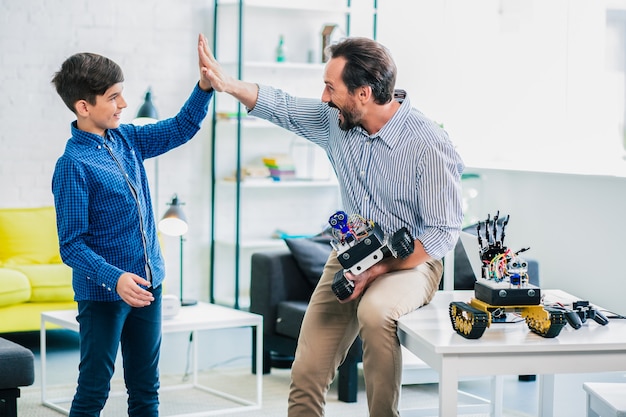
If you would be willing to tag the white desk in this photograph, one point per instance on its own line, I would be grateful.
(192, 319)
(509, 349)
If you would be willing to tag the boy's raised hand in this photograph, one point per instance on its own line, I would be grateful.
(211, 74)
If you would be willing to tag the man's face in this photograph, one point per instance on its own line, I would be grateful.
(106, 113)
(336, 94)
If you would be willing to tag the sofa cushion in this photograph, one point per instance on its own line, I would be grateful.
(311, 255)
(14, 287)
(28, 236)
(17, 366)
(49, 283)
(289, 318)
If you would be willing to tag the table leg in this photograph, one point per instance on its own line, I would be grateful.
(497, 394)
(42, 347)
(546, 395)
(258, 331)
(194, 348)
(448, 388)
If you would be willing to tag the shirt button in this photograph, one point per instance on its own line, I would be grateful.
(99, 147)
(366, 198)
(362, 173)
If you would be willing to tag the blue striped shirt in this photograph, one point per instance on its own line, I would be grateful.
(104, 213)
(407, 174)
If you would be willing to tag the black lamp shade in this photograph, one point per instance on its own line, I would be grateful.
(174, 221)
(147, 112)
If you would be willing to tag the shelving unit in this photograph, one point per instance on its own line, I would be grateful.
(245, 213)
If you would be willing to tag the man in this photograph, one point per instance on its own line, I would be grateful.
(395, 167)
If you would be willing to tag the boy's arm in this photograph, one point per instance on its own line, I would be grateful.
(211, 70)
(156, 139)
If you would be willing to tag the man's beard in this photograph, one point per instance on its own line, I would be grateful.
(350, 118)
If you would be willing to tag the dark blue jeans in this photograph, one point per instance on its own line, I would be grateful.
(103, 327)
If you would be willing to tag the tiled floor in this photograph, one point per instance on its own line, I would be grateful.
(62, 356)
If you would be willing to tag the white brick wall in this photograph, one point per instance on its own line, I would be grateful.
(155, 44)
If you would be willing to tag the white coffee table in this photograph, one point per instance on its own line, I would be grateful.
(202, 316)
(509, 349)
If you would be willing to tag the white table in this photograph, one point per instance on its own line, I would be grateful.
(508, 349)
(202, 316)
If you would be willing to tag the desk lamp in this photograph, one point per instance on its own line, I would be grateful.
(174, 223)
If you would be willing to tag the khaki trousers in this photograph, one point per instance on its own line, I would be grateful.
(329, 329)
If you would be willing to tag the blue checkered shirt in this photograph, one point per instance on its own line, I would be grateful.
(104, 214)
(405, 175)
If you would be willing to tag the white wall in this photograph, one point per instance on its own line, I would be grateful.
(511, 80)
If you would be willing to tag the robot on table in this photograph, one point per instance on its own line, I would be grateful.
(504, 288)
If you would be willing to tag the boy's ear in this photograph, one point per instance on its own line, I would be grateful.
(81, 108)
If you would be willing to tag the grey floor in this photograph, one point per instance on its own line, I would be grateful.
(232, 348)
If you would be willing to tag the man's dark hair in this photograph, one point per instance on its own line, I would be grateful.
(367, 63)
(84, 76)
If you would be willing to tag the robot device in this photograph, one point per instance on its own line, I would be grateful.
(503, 287)
(360, 244)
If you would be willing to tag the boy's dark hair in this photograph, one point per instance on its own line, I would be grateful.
(367, 63)
(84, 76)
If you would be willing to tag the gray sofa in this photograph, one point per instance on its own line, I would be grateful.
(16, 370)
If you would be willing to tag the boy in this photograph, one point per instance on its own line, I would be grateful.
(107, 231)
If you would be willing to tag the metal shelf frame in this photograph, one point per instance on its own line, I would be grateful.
(239, 65)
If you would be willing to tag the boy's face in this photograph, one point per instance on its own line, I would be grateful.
(105, 114)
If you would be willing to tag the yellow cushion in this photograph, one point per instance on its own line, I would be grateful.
(51, 282)
(28, 236)
(26, 317)
(14, 287)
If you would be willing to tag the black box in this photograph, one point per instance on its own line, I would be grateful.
(502, 294)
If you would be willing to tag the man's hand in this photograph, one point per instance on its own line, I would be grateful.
(211, 74)
(128, 288)
(363, 280)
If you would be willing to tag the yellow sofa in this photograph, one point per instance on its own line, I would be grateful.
(33, 278)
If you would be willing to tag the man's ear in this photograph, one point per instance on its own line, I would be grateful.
(364, 93)
(81, 107)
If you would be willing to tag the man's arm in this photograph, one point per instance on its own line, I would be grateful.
(212, 73)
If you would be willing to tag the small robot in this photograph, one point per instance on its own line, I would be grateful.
(360, 243)
(503, 287)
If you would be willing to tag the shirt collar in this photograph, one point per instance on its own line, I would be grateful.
(86, 138)
(389, 132)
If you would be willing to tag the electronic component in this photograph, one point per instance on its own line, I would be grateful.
(360, 244)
